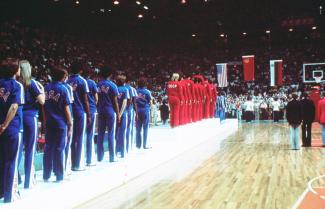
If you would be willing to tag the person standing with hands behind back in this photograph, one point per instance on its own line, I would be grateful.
(34, 96)
(81, 115)
(108, 112)
(294, 119)
(11, 96)
(308, 116)
(58, 124)
(143, 114)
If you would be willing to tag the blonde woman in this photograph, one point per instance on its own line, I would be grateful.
(34, 96)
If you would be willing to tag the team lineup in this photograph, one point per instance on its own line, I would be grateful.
(71, 107)
(190, 100)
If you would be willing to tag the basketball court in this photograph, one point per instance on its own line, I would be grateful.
(254, 168)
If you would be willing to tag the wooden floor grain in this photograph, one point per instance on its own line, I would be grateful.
(254, 169)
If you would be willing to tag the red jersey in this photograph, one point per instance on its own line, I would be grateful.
(208, 93)
(315, 97)
(175, 89)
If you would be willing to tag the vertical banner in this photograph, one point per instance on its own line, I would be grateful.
(222, 74)
(276, 72)
(249, 67)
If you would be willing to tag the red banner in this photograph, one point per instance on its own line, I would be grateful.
(249, 67)
(279, 77)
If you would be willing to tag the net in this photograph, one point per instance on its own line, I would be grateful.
(318, 79)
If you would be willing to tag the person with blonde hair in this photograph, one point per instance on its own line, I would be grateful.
(174, 92)
(34, 97)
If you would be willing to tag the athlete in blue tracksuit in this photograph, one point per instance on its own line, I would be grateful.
(81, 115)
(58, 124)
(92, 99)
(143, 101)
(34, 96)
(123, 96)
(131, 109)
(67, 152)
(11, 96)
(107, 113)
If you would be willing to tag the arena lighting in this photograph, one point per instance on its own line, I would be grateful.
(268, 31)
(290, 29)
(320, 9)
(145, 7)
(314, 28)
(140, 16)
(138, 2)
(116, 2)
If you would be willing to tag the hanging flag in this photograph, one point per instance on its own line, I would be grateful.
(222, 74)
(276, 72)
(248, 66)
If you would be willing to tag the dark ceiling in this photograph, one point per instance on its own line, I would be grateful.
(195, 16)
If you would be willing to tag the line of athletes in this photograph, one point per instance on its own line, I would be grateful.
(70, 105)
(190, 99)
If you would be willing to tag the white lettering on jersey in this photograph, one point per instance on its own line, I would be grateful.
(103, 89)
(172, 86)
(141, 96)
(52, 95)
(3, 94)
(74, 86)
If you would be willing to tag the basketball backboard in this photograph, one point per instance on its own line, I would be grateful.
(314, 72)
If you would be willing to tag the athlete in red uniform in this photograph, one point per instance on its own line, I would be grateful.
(208, 99)
(186, 101)
(315, 96)
(200, 98)
(190, 88)
(214, 93)
(174, 92)
(195, 102)
(183, 103)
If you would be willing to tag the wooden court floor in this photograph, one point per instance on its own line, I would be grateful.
(254, 169)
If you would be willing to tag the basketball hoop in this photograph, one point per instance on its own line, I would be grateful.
(318, 79)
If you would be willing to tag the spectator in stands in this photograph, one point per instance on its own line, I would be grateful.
(164, 112)
(154, 113)
(249, 109)
(276, 109)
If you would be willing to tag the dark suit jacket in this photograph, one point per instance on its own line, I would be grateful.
(294, 112)
(307, 110)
